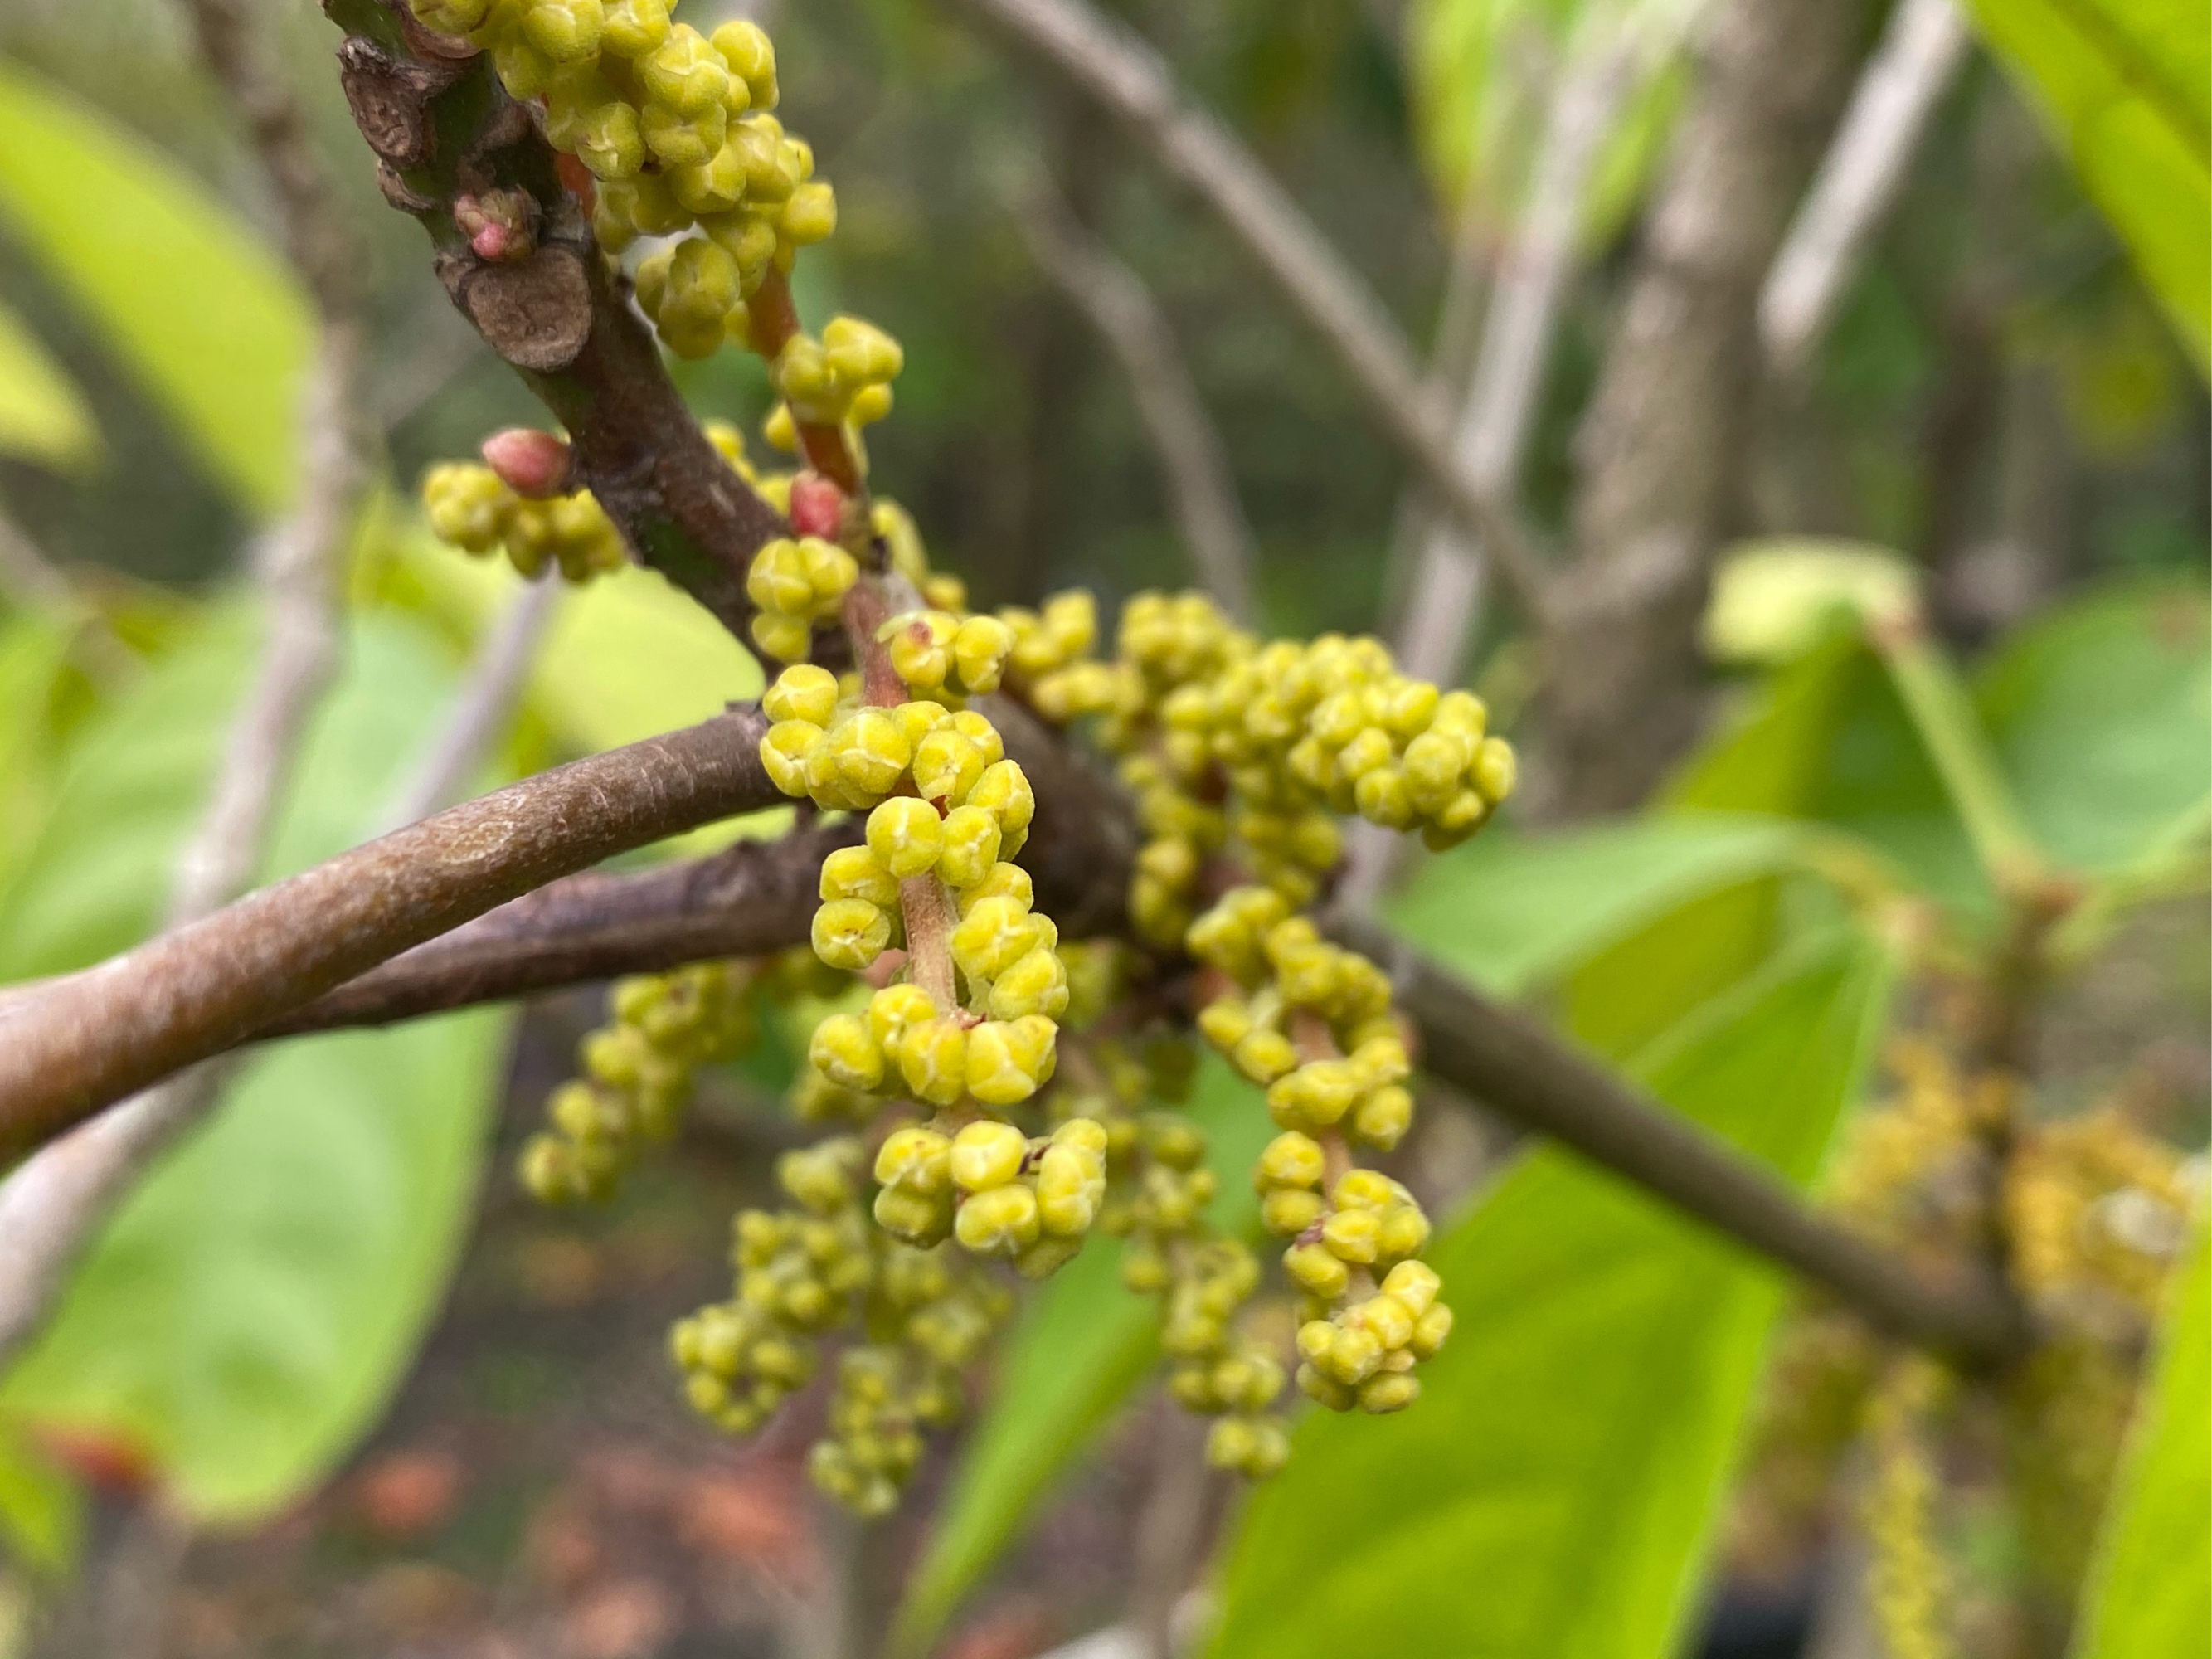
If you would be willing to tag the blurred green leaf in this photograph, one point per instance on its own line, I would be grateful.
(251, 1307)
(41, 1515)
(1573, 1443)
(1509, 911)
(1481, 71)
(43, 417)
(1081, 1345)
(191, 300)
(97, 872)
(1825, 738)
(2126, 86)
(2151, 1590)
(2101, 712)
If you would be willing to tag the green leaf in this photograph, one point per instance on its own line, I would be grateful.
(2151, 1589)
(1572, 1446)
(1510, 911)
(2101, 712)
(250, 1308)
(1825, 738)
(96, 875)
(2123, 86)
(43, 417)
(194, 304)
(1081, 1345)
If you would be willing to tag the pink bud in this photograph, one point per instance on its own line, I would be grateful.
(818, 506)
(529, 462)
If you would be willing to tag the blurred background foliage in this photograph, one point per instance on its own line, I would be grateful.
(2009, 417)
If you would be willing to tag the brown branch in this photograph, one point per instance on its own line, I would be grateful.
(759, 896)
(1512, 1062)
(747, 900)
(442, 128)
(1126, 77)
(90, 1039)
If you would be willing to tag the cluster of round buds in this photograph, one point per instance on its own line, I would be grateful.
(1051, 655)
(999, 1192)
(817, 1267)
(1233, 746)
(843, 378)
(935, 651)
(797, 582)
(637, 1073)
(846, 756)
(1291, 976)
(673, 126)
(1362, 1351)
(800, 1272)
(1202, 1281)
(934, 1317)
(470, 508)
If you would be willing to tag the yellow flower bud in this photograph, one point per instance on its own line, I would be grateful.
(998, 1222)
(905, 834)
(985, 1155)
(850, 934)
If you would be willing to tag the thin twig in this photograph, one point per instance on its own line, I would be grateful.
(84, 1041)
(1921, 51)
(1193, 461)
(1130, 80)
(1492, 440)
(480, 706)
(51, 1206)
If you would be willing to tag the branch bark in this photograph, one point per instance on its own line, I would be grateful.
(749, 899)
(1193, 461)
(1126, 77)
(89, 1040)
(1663, 441)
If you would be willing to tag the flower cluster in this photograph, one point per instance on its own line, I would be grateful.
(470, 508)
(637, 1073)
(820, 1268)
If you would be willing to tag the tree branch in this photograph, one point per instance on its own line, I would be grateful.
(759, 896)
(89, 1040)
(1512, 1062)
(1920, 50)
(443, 128)
(750, 899)
(1193, 465)
(1126, 77)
